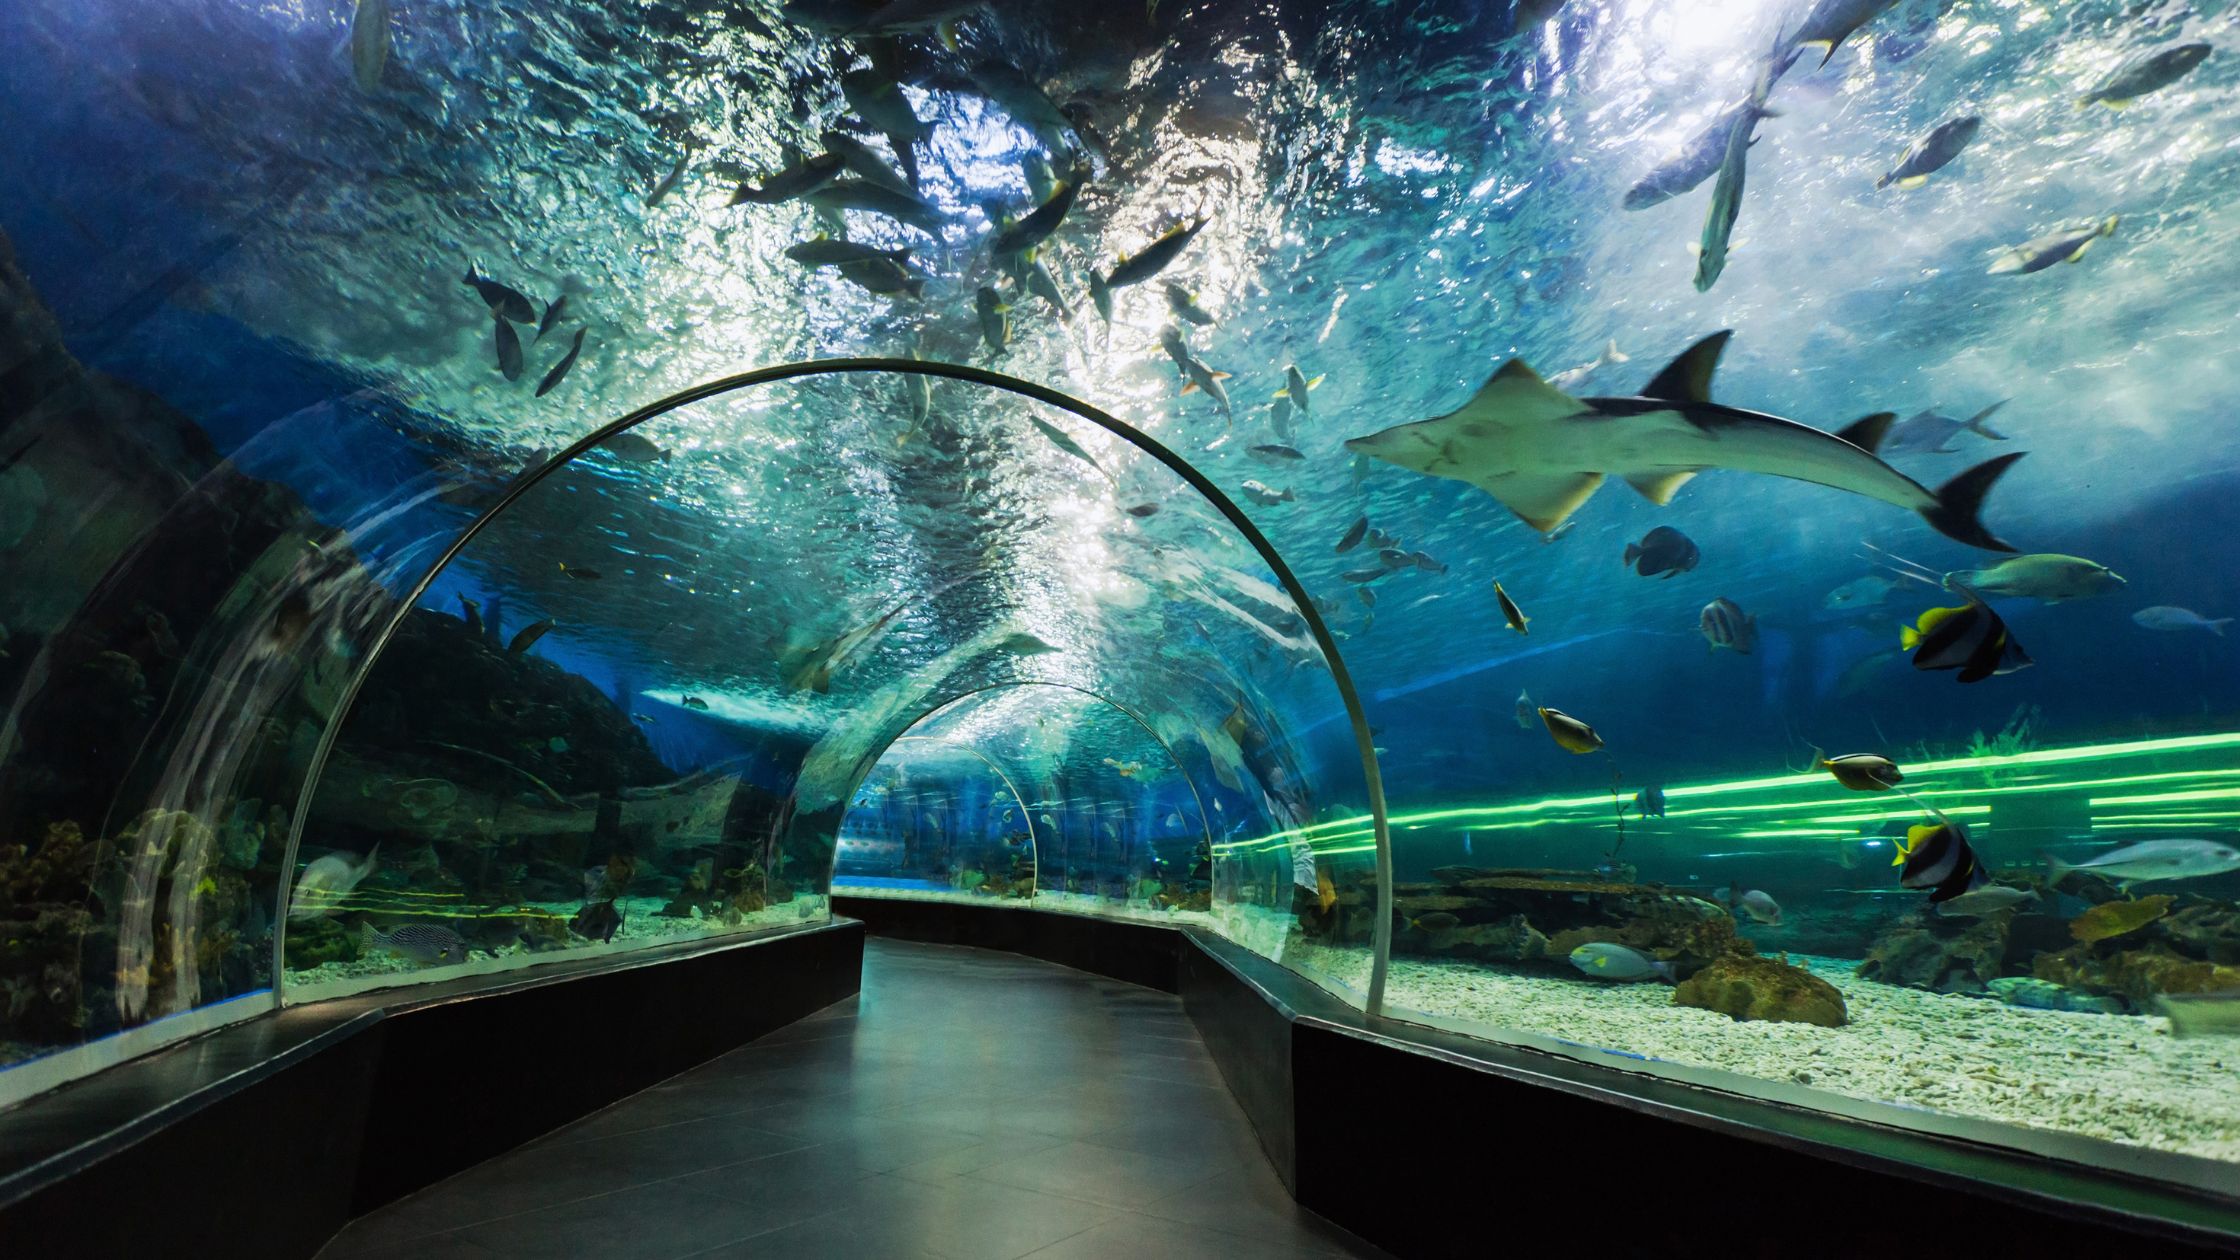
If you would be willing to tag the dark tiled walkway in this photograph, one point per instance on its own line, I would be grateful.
(969, 1106)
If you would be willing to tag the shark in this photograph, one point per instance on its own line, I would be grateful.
(1543, 453)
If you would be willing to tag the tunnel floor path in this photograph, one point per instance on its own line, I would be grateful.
(968, 1105)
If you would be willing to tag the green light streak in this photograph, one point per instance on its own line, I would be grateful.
(2205, 794)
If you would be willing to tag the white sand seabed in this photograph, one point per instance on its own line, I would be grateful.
(2119, 1077)
(642, 927)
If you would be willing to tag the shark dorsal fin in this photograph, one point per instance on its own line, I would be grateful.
(1867, 432)
(1688, 378)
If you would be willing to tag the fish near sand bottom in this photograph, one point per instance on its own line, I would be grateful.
(427, 944)
(1542, 453)
(1618, 964)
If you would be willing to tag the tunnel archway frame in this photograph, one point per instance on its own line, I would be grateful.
(1197, 798)
(1325, 642)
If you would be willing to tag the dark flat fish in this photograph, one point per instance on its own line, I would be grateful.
(559, 370)
(554, 311)
(509, 349)
(504, 301)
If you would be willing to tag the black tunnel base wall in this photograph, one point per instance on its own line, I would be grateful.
(216, 1148)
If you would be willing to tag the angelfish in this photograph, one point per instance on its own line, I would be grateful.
(1543, 453)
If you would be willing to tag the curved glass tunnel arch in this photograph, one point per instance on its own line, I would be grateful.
(590, 732)
(1117, 822)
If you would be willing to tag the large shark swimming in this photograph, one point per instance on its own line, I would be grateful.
(1543, 453)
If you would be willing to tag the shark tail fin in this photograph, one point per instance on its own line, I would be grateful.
(1977, 426)
(1610, 353)
(1867, 432)
(1960, 501)
(2216, 626)
(1688, 378)
(2056, 870)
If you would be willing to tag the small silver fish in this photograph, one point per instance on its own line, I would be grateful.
(1267, 496)
(2166, 617)
(1528, 713)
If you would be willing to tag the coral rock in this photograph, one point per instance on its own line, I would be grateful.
(1943, 955)
(2136, 975)
(1763, 988)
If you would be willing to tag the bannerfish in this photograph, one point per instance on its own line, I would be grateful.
(695, 703)
(424, 943)
(1353, 535)
(2146, 72)
(1663, 550)
(1833, 21)
(509, 348)
(2166, 617)
(1865, 592)
(1725, 625)
(1266, 496)
(559, 370)
(797, 179)
(2067, 245)
(1618, 964)
(862, 194)
(1570, 734)
(1153, 258)
(1931, 432)
(634, 447)
(1932, 152)
(597, 921)
(1528, 713)
(2049, 577)
(1510, 612)
(1989, 899)
(1757, 904)
(2153, 860)
(1864, 772)
(369, 43)
(1936, 856)
(1039, 223)
(1543, 453)
(995, 318)
(828, 251)
(1649, 802)
(504, 301)
(1971, 638)
(1185, 306)
(529, 634)
(327, 881)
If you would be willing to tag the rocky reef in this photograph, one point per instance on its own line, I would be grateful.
(1763, 988)
(2119, 954)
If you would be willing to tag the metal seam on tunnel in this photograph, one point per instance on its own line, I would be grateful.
(1381, 937)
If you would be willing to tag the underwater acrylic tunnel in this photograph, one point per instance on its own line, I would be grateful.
(1186, 426)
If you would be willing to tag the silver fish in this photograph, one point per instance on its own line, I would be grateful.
(325, 882)
(2165, 617)
(1931, 432)
(2153, 860)
(1267, 496)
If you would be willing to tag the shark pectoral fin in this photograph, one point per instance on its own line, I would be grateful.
(1658, 488)
(1688, 378)
(1867, 432)
(1542, 499)
(1189, 388)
